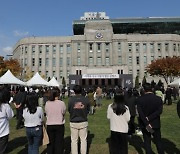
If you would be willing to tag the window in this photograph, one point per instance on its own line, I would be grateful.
(33, 49)
(130, 60)
(54, 62)
(174, 47)
(54, 49)
(152, 58)
(61, 48)
(40, 49)
(130, 47)
(90, 47)
(26, 49)
(166, 47)
(60, 74)
(138, 72)
(40, 61)
(47, 49)
(119, 60)
(68, 72)
(144, 47)
(78, 47)
(119, 47)
(107, 47)
(47, 62)
(54, 73)
(33, 61)
(152, 47)
(159, 47)
(137, 47)
(46, 74)
(107, 61)
(98, 60)
(179, 47)
(61, 61)
(130, 72)
(145, 60)
(68, 61)
(90, 60)
(25, 61)
(98, 47)
(68, 48)
(78, 61)
(137, 60)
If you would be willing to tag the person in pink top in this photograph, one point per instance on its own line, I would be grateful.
(55, 111)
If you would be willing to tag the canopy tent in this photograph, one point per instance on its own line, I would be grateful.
(175, 83)
(37, 80)
(9, 78)
(53, 82)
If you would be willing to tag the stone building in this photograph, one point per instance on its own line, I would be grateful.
(101, 51)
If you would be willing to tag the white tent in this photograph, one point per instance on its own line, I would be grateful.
(53, 82)
(9, 78)
(37, 80)
(175, 83)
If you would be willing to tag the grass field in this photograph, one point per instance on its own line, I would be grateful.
(98, 134)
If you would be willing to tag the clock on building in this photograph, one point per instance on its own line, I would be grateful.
(99, 35)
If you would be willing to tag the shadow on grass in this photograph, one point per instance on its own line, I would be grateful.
(135, 141)
(17, 142)
(169, 147)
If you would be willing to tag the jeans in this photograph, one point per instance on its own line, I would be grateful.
(3, 143)
(56, 139)
(34, 136)
(78, 130)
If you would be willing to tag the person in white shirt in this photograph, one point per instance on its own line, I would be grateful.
(119, 116)
(33, 116)
(6, 113)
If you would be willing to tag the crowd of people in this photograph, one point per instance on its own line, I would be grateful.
(36, 107)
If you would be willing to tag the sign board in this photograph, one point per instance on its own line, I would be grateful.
(100, 76)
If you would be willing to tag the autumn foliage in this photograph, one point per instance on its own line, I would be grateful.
(168, 68)
(10, 64)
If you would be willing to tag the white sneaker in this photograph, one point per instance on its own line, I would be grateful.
(138, 132)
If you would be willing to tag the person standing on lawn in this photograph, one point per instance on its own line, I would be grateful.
(119, 116)
(78, 107)
(150, 107)
(55, 110)
(33, 118)
(6, 113)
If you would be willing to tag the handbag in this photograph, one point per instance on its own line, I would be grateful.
(45, 139)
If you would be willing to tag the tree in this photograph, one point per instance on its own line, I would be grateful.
(137, 82)
(144, 81)
(11, 64)
(167, 68)
(63, 82)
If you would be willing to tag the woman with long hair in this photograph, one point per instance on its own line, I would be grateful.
(6, 113)
(33, 116)
(119, 116)
(55, 111)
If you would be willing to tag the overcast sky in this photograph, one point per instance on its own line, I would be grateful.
(24, 18)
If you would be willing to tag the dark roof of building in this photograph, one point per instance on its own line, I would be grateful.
(150, 25)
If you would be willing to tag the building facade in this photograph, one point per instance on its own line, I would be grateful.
(101, 47)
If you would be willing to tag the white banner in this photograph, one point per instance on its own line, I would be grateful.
(100, 76)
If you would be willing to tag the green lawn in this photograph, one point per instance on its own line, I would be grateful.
(98, 134)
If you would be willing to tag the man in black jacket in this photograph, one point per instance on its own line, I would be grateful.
(149, 107)
(78, 107)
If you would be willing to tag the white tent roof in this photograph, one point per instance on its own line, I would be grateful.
(9, 78)
(53, 82)
(175, 83)
(37, 80)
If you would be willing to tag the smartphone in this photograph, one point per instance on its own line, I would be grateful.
(149, 129)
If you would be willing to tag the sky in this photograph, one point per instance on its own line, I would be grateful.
(26, 18)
